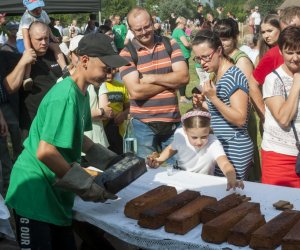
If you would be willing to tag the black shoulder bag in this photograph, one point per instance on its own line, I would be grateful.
(294, 129)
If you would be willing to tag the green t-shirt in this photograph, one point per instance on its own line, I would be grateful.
(120, 32)
(177, 33)
(62, 116)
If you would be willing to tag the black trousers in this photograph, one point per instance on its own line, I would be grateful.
(114, 138)
(32, 234)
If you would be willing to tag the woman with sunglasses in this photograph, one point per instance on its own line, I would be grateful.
(227, 100)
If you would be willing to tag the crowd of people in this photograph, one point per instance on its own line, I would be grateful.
(66, 97)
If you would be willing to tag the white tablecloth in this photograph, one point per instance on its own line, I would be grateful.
(5, 227)
(110, 215)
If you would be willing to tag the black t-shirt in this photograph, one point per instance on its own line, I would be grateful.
(200, 17)
(44, 74)
(172, 22)
(8, 60)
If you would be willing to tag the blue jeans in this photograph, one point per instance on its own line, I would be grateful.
(148, 142)
(20, 46)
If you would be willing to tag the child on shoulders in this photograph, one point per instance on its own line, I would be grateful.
(33, 13)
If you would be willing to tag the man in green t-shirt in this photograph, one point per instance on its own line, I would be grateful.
(47, 175)
(120, 31)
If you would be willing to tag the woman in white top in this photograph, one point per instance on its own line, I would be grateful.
(279, 151)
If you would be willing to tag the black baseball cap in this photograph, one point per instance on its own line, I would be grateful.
(101, 46)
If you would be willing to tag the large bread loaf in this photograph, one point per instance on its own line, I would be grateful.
(189, 216)
(149, 199)
(156, 216)
(240, 234)
(269, 236)
(217, 230)
(212, 211)
(291, 241)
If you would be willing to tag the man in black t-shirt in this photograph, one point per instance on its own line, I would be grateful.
(172, 22)
(199, 16)
(44, 71)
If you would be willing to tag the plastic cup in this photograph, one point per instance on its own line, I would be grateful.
(169, 169)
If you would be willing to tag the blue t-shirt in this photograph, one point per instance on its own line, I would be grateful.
(235, 140)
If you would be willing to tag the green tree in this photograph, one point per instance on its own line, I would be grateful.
(185, 8)
(116, 7)
(66, 19)
(266, 6)
(241, 8)
(236, 7)
(151, 5)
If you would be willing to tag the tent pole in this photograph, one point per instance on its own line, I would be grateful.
(100, 19)
(99, 13)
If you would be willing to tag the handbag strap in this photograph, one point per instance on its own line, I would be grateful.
(292, 121)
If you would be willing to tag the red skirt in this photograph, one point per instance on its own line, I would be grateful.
(279, 169)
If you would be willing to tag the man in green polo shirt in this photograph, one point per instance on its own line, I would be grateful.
(120, 31)
(47, 175)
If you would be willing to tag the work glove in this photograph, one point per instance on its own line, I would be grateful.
(99, 156)
(77, 180)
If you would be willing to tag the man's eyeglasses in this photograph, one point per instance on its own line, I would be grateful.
(198, 59)
(145, 29)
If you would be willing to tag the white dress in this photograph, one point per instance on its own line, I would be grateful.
(201, 161)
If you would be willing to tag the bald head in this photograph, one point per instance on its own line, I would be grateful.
(137, 11)
(39, 37)
(141, 25)
(37, 26)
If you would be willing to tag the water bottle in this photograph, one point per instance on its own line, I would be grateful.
(129, 140)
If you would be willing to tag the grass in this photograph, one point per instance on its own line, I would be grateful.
(194, 81)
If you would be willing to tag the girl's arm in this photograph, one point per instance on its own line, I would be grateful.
(229, 171)
(155, 159)
(236, 113)
(26, 38)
